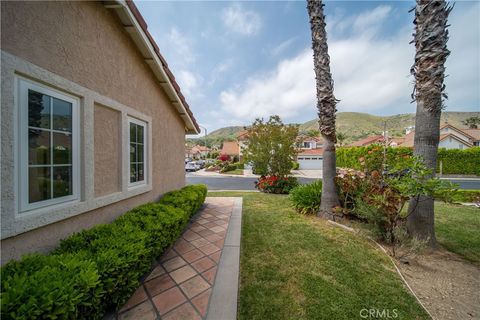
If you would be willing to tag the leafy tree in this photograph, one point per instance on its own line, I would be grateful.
(270, 146)
(472, 122)
(430, 38)
(326, 105)
(313, 133)
(341, 137)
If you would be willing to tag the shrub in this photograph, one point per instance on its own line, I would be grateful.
(98, 268)
(306, 198)
(274, 184)
(466, 196)
(295, 165)
(454, 161)
(229, 167)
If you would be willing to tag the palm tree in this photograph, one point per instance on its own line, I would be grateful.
(326, 103)
(430, 40)
(341, 137)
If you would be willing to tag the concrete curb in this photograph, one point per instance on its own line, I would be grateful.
(223, 302)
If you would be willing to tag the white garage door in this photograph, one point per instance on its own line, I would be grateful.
(310, 162)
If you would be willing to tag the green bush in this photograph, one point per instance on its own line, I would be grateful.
(240, 165)
(295, 165)
(99, 268)
(466, 196)
(454, 161)
(306, 198)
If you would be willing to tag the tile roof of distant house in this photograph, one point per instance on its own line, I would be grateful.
(475, 133)
(462, 131)
(163, 66)
(446, 135)
(367, 141)
(230, 148)
(311, 152)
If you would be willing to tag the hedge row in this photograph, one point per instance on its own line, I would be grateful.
(96, 269)
(454, 161)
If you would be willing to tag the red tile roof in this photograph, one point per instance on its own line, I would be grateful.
(138, 16)
(230, 148)
(367, 141)
(311, 152)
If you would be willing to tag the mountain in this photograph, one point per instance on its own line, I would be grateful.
(355, 125)
(358, 125)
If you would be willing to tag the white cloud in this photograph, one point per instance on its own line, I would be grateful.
(220, 69)
(182, 46)
(282, 46)
(240, 20)
(188, 81)
(371, 74)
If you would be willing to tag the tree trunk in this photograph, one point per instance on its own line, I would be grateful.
(430, 40)
(326, 105)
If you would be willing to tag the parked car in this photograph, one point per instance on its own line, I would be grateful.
(192, 166)
(201, 163)
(187, 160)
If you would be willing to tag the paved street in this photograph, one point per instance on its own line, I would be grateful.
(247, 183)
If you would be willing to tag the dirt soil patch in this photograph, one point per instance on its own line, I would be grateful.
(447, 285)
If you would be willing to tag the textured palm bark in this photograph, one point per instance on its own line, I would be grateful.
(326, 105)
(430, 40)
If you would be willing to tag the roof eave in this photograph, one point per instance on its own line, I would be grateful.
(136, 27)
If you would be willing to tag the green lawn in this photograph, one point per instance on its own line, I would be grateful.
(458, 230)
(236, 171)
(297, 267)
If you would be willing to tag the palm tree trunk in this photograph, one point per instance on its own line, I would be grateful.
(326, 105)
(430, 40)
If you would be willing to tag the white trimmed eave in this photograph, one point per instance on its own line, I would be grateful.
(133, 28)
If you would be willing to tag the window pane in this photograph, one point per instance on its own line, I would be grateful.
(62, 115)
(133, 132)
(38, 184)
(62, 181)
(133, 172)
(38, 110)
(139, 153)
(140, 172)
(139, 134)
(62, 148)
(133, 152)
(38, 146)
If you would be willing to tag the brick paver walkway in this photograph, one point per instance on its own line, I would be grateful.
(180, 286)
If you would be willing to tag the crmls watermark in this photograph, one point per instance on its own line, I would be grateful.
(374, 313)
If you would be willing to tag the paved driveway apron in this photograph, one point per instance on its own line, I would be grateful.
(198, 277)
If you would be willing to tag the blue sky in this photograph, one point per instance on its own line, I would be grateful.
(236, 61)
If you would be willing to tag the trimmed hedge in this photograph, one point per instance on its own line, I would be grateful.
(454, 161)
(96, 269)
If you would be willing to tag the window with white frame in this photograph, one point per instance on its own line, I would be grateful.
(48, 146)
(138, 151)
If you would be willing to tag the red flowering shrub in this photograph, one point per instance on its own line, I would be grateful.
(276, 184)
(223, 157)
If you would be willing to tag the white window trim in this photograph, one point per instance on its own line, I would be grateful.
(146, 161)
(23, 188)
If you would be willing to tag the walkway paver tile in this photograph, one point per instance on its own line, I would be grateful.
(183, 274)
(168, 300)
(193, 255)
(158, 285)
(144, 311)
(181, 285)
(194, 286)
(203, 264)
(174, 263)
(185, 312)
(201, 302)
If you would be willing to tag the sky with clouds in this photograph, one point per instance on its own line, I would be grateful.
(236, 61)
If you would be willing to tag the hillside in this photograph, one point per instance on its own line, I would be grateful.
(355, 125)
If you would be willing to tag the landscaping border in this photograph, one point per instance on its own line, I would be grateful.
(224, 299)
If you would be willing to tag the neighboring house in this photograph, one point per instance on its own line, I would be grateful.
(241, 139)
(451, 137)
(201, 151)
(310, 159)
(307, 142)
(231, 149)
(93, 122)
(192, 154)
(376, 139)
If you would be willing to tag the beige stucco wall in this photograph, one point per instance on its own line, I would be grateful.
(84, 43)
(107, 133)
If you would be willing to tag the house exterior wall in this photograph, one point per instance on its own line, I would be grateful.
(447, 130)
(57, 44)
(451, 143)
